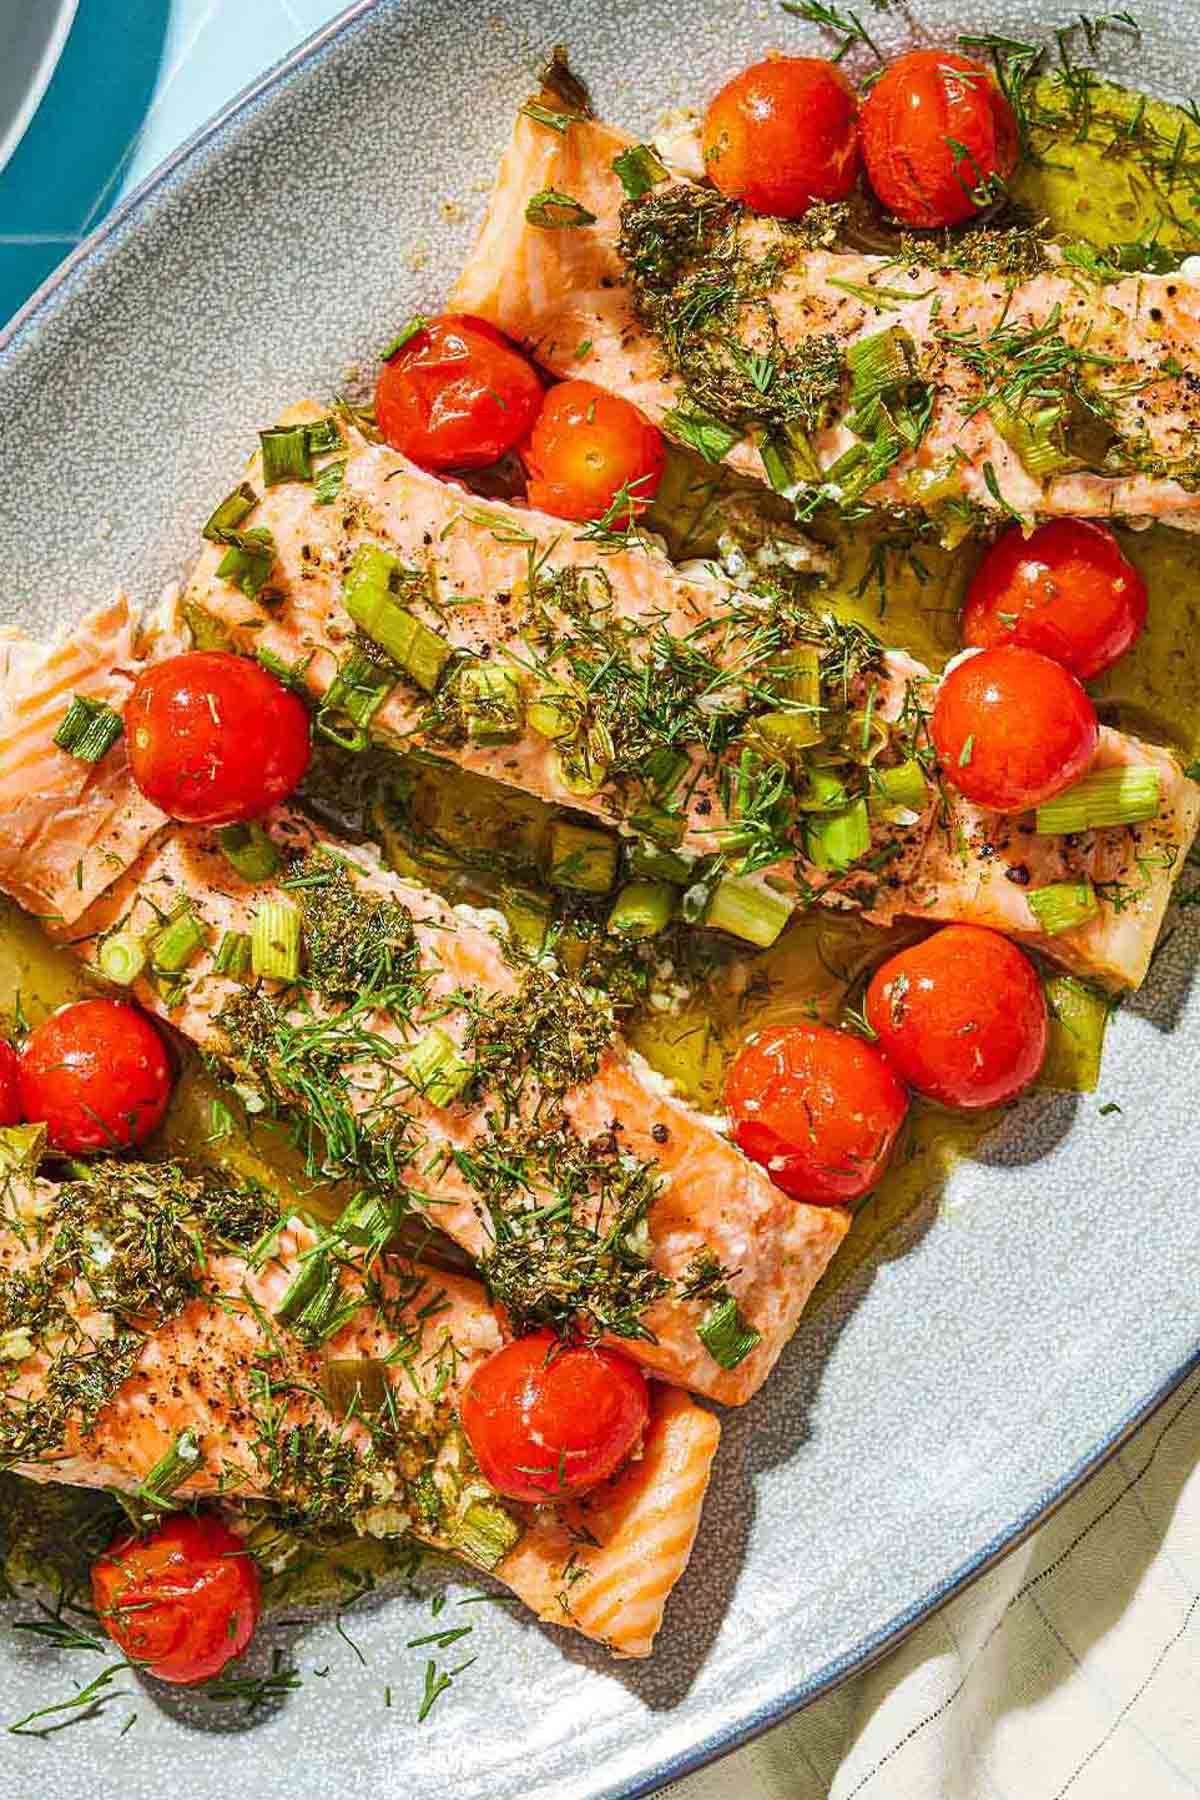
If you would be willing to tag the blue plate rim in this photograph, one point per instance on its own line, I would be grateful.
(890, 1635)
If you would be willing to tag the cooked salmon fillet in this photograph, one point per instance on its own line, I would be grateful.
(99, 1398)
(572, 1088)
(564, 294)
(474, 557)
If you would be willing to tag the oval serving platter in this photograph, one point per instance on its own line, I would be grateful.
(995, 1346)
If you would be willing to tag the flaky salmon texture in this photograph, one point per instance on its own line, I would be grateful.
(156, 1359)
(1133, 343)
(489, 577)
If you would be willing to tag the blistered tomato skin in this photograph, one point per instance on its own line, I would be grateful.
(10, 1088)
(924, 105)
(214, 738)
(588, 447)
(547, 1421)
(1068, 590)
(1011, 728)
(818, 1108)
(457, 395)
(961, 1016)
(97, 1076)
(182, 1601)
(783, 134)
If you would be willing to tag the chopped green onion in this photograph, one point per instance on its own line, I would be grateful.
(789, 461)
(328, 484)
(581, 858)
(314, 1305)
(1078, 1017)
(709, 436)
(554, 117)
(486, 1533)
(249, 850)
(357, 692)
(170, 1472)
(726, 1335)
(638, 169)
(1124, 796)
(582, 766)
(229, 515)
(879, 364)
(823, 792)
(420, 652)
(642, 909)
(122, 957)
(648, 860)
(367, 1221)
(796, 679)
(358, 1382)
(248, 560)
(554, 713)
(664, 769)
(233, 955)
(664, 829)
(1063, 905)
(435, 1068)
(836, 840)
(322, 436)
(1035, 437)
(89, 729)
(748, 910)
(407, 331)
(174, 944)
(275, 941)
(528, 913)
(21, 1148)
(490, 696)
(552, 211)
(285, 454)
(902, 789)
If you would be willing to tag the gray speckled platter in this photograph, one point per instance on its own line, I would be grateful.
(1000, 1342)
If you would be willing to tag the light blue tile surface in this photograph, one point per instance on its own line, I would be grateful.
(136, 78)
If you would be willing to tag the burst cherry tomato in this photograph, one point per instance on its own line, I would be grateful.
(961, 1016)
(1011, 728)
(214, 738)
(588, 446)
(1067, 590)
(457, 395)
(97, 1075)
(782, 134)
(547, 1421)
(183, 1600)
(10, 1094)
(818, 1109)
(938, 137)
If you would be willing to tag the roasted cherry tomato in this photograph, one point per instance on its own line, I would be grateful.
(818, 1109)
(587, 448)
(97, 1075)
(1011, 728)
(457, 395)
(939, 139)
(782, 134)
(548, 1420)
(183, 1601)
(10, 1090)
(961, 1016)
(1067, 590)
(214, 738)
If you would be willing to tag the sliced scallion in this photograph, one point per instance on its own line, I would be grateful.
(357, 692)
(879, 364)
(551, 210)
(581, 858)
(435, 1068)
(726, 1335)
(554, 712)
(528, 914)
(823, 792)
(1036, 437)
(367, 597)
(275, 941)
(710, 437)
(249, 850)
(901, 789)
(663, 828)
(789, 461)
(89, 729)
(323, 435)
(642, 909)
(357, 1383)
(172, 947)
(1078, 1017)
(489, 694)
(582, 765)
(233, 955)
(21, 1148)
(122, 957)
(638, 169)
(170, 1472)
(748, 910)
(285, 454)
(1123, 796)
(486, 1533)
(406, 333)
(835, 840)
(230, 513)
(1063, 905)
(328, 484)
(648, 860)
(248, 560)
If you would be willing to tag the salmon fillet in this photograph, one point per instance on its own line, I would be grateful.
(474, 557)
(564, 294)
(97, 1397)
(596, 1115)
